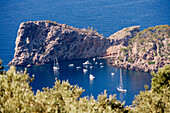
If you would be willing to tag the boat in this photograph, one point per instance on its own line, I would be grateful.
(96, 63)
(78, 67)
(120, 87)
(86, 63)
(85, 70)
(101, 66)
(91, 67)
(94, 59)
(101, 63)
(71, 65)
(91, 77)
(56, 64)
(112, 73)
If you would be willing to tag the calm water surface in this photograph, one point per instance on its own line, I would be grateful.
(133, 81)
(107, 16)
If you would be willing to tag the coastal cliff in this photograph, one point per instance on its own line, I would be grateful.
(40, 42)
(147, 51)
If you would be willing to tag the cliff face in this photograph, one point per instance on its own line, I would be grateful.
(41, 42)
(147, 51)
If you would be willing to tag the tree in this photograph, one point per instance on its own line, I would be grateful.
(1, 67)
(157, 99)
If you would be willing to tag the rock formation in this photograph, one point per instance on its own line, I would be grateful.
(147, 51)
(40, 42)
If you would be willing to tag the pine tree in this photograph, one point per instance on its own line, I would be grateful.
(1, 67)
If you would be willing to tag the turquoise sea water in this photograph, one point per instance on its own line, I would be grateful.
(107, 16)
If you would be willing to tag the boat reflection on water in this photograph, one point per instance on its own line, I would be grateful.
(56, 73)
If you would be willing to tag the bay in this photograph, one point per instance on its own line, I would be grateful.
(133, 81)
(107, 16)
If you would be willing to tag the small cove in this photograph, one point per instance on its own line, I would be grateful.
(133, 81)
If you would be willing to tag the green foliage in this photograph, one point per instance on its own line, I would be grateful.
(130, 60)
(1, 67)
(151, 62)
(156, 100)
(161, 79)
(17, 96)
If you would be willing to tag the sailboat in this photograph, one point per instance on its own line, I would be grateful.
(56, 64)
(120, 88)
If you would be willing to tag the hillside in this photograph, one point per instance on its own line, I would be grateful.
(147, 51)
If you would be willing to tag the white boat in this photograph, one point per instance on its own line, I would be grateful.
(94, 59)
(85, 70)
(101, 63)
(78, 67)
(120, 88)
(86, 63)
(91, 77)
(101, 66)
(112, 73)
(96, 63)
(56, 64)
(91, 67)
(71, 65)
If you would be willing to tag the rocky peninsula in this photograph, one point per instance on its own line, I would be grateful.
(40, 42)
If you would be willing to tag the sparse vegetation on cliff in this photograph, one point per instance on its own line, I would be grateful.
(149, 47)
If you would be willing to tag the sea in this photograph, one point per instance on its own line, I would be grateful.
(106, 16)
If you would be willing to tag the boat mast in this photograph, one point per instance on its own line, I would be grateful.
(121, 81)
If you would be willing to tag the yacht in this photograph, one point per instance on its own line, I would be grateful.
(91, 77)
(86, 63)
(85, 70)
(120, 87)
(56, 64)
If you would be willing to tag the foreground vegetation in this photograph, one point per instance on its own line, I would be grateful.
(16, 95)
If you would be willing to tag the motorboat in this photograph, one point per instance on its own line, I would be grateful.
(71, 65)
(78, 67)
(101, 66)
(112, 73)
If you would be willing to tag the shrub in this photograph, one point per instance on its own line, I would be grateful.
(151, 62)
(156, 100)
(130, 60)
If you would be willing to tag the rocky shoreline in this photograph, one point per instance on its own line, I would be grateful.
(40, 42)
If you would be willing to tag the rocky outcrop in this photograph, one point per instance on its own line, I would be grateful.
(41, 42)
(147, 51)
